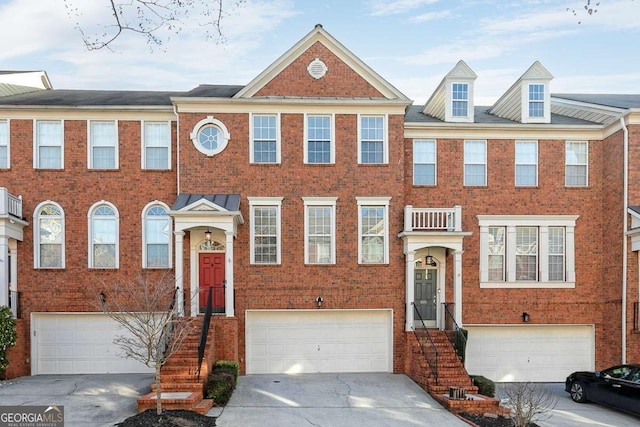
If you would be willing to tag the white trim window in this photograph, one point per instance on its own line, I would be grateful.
(475, 163)
(49, 236)
(156, 236)
(103, 145)
(527, 251)
(319, 230)
(156, 145)
(373, 147)
(319, 136)
(264, 138)
(459, 99)
(576, 158)
(373, 230)
(424, 162)
(104, 232)
(4, 144)
(536, 99)
(210, 136)
(526, 163)
(265, 246)
(49, 144)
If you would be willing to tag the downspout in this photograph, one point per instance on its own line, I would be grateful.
(624, 240)
(175, 111)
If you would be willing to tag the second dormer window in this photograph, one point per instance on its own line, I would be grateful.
(536, 100)
(459, 99)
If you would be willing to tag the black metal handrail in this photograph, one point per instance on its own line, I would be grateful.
(431, 361)
(167, 332)
(14, 303)
(455, 333)
(204, 333)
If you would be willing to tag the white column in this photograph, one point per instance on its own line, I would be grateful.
(179, 269)
(457, 286)
(410, 291)
(4, 271)
(229, 300)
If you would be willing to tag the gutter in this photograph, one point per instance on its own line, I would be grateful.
(625, 238)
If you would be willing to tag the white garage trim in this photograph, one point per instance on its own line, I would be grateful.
(78, 343)
(319, 341)
(537, 353)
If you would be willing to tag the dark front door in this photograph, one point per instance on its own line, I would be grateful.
(212, 279)
(426, 286)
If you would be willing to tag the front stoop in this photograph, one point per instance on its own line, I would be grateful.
(472, 404)
(181, 388)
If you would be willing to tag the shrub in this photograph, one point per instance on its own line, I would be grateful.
(227, 366)
(7, 336)
(486, 387)
(219, 386)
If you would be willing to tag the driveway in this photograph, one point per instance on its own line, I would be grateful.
(336, 400)
(88, 400)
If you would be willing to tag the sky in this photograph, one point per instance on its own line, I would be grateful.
(412, 44)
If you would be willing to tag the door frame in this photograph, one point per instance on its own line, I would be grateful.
(200, 261)
(433, 323)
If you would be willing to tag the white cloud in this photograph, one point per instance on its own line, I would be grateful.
(382, 7)
(431, 16)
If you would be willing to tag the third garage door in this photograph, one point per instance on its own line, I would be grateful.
(529, 353)
(318, 341)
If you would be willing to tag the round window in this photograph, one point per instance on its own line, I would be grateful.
(210, 136)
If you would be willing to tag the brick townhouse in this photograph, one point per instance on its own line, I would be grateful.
(329, 215)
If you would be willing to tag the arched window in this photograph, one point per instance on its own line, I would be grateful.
(156, 236)
(103, 236)
(48, 235)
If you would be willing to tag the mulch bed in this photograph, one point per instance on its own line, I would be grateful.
(484, 421)
(169, 418)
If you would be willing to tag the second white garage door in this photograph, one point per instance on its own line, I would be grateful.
(318, 341)
(529, 353)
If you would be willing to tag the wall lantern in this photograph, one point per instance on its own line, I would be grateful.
(319, 301)
(428, 260)
(525, 316)
(207, 235)
(103, 298)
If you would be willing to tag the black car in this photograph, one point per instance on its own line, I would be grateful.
(618, 387)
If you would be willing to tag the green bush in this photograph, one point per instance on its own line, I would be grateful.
(221, 381)
(7, 336)
(486, 387)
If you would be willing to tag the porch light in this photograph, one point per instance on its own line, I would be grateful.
(428, 260)
(525, 316)
(319, 301)
(207, 235)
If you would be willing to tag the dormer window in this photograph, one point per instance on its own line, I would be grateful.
(460, 99)
(536, 100)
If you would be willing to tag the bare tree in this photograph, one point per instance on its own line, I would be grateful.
(529, 402)
(154, 19)
(590, 7)
(146, 308)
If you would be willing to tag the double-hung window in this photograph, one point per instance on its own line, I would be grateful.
(265, 138)
(373, 230)
(49, 145)
(527, 251)
(475, 163)
(424, 162)
(4, 144)
(536, 100)
(526, 163)
(104, 229)
(459, 99)
(320, 230)
(49, 236)
(265, 243)
(372, 140)
(103, 145)
(156, 236)
(319, 146)
(576, 172)
(156, 153)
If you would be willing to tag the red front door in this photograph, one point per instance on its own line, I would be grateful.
(212, 277)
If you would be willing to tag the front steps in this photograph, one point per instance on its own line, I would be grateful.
(179, 383)
(451, 375)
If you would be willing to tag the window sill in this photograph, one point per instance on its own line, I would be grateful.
(528, 285)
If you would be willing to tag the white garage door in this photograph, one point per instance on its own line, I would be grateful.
(529, 353)
(318, 341)
(78, 344)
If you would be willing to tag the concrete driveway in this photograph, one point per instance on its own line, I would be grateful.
(88, 400)
(335, 400)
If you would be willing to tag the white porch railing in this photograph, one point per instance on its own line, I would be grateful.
(432, 219)
(10, 204)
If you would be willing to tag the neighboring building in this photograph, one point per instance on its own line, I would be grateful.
(321, 206)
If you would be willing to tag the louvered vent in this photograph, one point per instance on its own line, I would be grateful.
(317, 69)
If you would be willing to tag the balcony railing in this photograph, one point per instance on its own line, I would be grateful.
(432, 219)
(10, 204)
